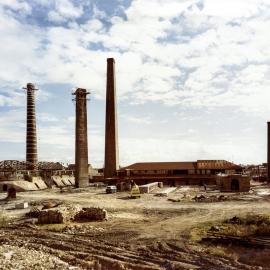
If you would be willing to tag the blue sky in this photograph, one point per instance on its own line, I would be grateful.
(193, 77)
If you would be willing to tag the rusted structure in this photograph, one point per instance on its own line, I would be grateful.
(111, 134)
(268, 151)
(31, 130)
(81, 144)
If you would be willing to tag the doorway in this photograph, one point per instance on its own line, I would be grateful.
(5, 187)
(235, 185)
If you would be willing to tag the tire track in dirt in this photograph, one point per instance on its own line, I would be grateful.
(82, 250)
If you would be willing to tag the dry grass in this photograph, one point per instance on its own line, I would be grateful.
(222, 252)
(247, 226)
(3, 219)
(197, 233)
(52, 227)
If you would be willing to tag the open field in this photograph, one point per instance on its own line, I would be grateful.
(147, 233)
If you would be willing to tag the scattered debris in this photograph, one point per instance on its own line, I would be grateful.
(213, 198)
(91, 214)
(174, 200)
(22, 205)
(51, 204)
(34, 212)
(165, 192)
(215, 229)
(13, 257)
(234, 220)
(199, 198)
(81, 229)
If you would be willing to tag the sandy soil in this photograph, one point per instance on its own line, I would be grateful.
(147, 233)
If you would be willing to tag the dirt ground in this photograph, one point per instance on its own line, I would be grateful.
(147, 233)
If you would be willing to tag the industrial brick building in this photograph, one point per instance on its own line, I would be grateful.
(198, 172)
(233, 183)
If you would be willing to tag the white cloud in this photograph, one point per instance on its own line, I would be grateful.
(18, 6)
(146, 120)
(55, 17)
(64, 10)
(12, 126)
(198, 54)
(232, 8)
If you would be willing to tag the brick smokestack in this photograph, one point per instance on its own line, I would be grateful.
(31, 130)
(268, 151)
(81, 145)
(111, 133)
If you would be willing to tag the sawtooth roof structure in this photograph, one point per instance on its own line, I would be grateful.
(13, 165)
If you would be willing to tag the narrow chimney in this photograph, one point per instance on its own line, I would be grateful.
(268, 151)
(81, 145)
(111, 133)
(31, 131)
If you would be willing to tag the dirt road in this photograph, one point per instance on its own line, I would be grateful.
(146, 233)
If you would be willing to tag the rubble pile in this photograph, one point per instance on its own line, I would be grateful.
(82, 229)
(200, 198)
(12, 257)
(59, 215)
(34, 212)
(91, 214)
(68, 213)
(213, 198)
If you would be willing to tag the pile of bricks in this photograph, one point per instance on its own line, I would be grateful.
(91, 214)
(64, 214)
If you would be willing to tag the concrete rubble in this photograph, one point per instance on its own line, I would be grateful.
(91, 213)
(65, 214)
(12, 257)
(165, 192)
(147, 188)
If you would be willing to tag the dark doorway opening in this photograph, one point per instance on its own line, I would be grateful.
(5, 187)
(235, 185)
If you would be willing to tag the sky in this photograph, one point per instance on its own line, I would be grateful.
(192, 77)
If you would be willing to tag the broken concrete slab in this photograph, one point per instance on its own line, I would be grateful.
(165, 192)
(37, 180)
(18, 186)
(22, 205)
(149, 187)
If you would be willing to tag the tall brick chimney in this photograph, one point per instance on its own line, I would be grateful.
(81, 145)
(31, 130)
(268, 151)
(111, 133)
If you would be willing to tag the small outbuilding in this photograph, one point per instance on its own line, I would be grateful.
(233, 182)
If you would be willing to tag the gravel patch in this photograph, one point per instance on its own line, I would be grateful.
(12, 258)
